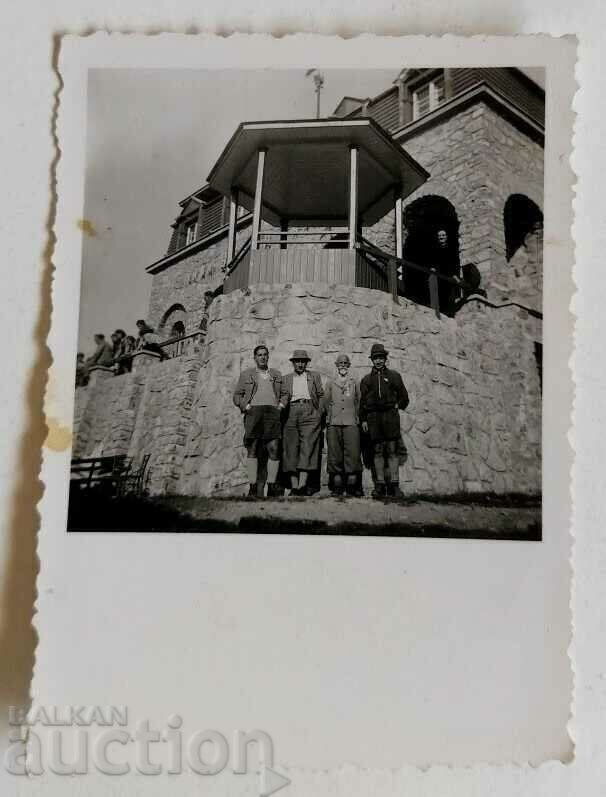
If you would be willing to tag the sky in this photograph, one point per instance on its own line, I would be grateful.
(152, 138)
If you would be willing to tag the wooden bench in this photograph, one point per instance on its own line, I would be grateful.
(106, 472)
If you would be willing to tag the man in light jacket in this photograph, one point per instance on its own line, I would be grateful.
(304, 395)
(342, 403)
(260, 396)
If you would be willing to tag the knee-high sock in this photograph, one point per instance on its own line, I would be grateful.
(294, 481)
(394, 468)
(380, 467)
(252, 469)
(302, 478)
(272, 470)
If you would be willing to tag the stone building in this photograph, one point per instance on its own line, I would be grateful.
(307, 234)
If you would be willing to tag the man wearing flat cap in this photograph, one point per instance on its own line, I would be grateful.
(342, 403)
(382, 394)
(301, 436)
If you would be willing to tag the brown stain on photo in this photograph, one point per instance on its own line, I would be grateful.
(58, 436)
(87, 227)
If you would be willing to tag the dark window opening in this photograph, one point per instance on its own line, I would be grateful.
(177, 330)
(431, 239)
(523, 223)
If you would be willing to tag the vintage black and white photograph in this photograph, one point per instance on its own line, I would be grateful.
(311, 302)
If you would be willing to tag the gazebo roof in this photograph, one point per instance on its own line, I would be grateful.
(307, 169)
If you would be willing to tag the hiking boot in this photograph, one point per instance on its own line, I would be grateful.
(393, 490)
(353, 490)
(380, 490)
(253, 493)
(337, 492)
(274, 490)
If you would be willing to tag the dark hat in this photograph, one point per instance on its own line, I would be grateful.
(300, 354)
(378, 349)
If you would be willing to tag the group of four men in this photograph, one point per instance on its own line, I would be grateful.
(290, 408)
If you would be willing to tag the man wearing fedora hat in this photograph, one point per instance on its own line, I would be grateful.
(301, 436)
(382, 394)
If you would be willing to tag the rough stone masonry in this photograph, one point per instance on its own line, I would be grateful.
(474, 420)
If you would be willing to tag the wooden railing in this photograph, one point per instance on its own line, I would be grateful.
(284, 238)
(237, 258)
(177, 346)
(390, 265)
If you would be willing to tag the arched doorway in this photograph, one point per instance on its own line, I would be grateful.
(523, 225)
(431, 239)
(175, 314)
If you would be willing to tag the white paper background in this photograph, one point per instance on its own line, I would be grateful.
(29, 87)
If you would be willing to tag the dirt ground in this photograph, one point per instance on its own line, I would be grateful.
(328, 515)
(473, 517)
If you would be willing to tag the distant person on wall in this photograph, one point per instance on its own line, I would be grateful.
(303, 422)
(81, 371)
(130, 347)
(208, 300)
(382, 394)
(103, 354)
(118, 342)
(149, 340)
(260, 396)
(342, 403)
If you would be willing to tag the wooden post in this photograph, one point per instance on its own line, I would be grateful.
(434, 294)
(284, 231)
(256, 222)
(353, 196)
(392, 279)
(231, 232)
(399, 234)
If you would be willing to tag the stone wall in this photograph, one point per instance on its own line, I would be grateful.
(144, 412)
(474, 417)
(473, 423)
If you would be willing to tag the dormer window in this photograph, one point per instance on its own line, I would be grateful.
(190, 233)
(427, 97)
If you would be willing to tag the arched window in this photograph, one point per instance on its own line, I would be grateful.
(523, 224)
(431, 239)
(175, 315)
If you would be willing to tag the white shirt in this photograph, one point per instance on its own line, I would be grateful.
(300, 390)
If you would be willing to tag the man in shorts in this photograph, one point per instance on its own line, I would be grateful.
(260, 397)
(382, 394)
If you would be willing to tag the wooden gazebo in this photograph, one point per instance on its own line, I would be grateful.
(330, 175)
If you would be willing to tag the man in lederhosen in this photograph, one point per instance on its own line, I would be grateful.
(260, 396)
(302, 428)
(382, 394)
